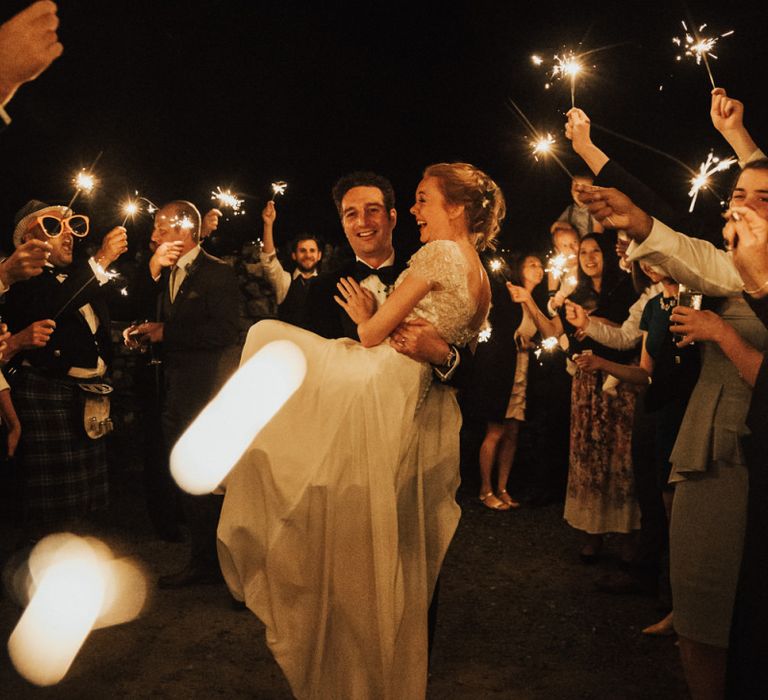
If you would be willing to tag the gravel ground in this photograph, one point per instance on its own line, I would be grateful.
(519, 618)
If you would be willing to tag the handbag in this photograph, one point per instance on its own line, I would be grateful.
(96, 406)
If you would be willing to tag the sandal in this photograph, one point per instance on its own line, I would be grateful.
(490, 501)
(663, 628)
(504, 497)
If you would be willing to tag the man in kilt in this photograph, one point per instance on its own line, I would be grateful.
(61, 343)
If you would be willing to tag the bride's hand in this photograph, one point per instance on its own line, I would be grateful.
(359, 303)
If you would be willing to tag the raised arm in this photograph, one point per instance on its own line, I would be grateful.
(577, 129)
(547, 326)
(279, 278)
(728, 118)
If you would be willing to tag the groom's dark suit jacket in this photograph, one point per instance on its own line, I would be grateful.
(326, 318)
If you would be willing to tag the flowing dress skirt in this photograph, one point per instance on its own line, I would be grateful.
(336, 520)
(601, 489)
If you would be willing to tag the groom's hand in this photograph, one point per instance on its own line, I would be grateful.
(419, 340)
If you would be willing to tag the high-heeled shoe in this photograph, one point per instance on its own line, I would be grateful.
(490, 501)
(663, 628)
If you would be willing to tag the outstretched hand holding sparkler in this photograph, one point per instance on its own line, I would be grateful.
(614, 209)
(210, 223)
(578, 131)
(746, 235)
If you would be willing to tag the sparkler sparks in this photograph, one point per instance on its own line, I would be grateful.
(543, 146)
(699, 47)
(225, 198)
(566, 66)
(485, 334)
(84, 182)
(546, 345)
(130, 209)
(278, 188)
(708, 168)
(558, 264)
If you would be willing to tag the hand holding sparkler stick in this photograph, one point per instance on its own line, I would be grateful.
(210, 223)
(728, 118)
(520, 295)
(268, 216)
(614, 209)
(746, 234)
(577, 130)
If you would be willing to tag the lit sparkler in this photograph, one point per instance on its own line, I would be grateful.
(221, 433)
(130, 209)
(699, 47)
(100, 273)
(499, 266)
(537, 60)
(559, 264)
(74, 585)
(709, 167)
(84, 181)
(225, 198)
(543, 146)
(540, 145)
(278, 188)
(546, 345)
(567, 66)
(485, 334)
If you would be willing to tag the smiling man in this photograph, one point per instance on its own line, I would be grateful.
(61, 343)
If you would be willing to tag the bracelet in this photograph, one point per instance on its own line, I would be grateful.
(755, 291)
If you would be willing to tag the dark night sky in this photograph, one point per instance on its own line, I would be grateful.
(182, 97)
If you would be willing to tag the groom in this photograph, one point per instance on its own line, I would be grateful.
(366, 205)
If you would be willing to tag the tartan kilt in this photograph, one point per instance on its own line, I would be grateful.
(63, 472)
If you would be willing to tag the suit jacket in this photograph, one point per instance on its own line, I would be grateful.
(200, 337)
(72, 344)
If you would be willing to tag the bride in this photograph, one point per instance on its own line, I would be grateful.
(336, 520)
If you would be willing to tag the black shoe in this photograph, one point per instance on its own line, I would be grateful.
(191, 576)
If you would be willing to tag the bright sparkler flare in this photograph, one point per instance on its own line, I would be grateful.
(566, 66)
(85, 182)
(225, 198)
(495, 265)
(222, 432)
(485, 334)
(124, 291)
(708, 168)
(74, 585)
(699, 47)
(279, 188)
(130, 208)
(543, 145)
(537, 60)
(558, 264)
(549, 343)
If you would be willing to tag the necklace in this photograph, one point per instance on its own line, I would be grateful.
(670, 303)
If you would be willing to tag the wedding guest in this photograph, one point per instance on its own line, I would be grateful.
(708, 518)
(600, 495)
(291, 289)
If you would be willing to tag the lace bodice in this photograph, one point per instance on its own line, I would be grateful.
(449, 307)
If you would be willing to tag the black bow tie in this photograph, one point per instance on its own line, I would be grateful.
(386, 274)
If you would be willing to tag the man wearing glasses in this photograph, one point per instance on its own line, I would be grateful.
(61, 343)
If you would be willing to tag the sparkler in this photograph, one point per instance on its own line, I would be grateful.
(278, 188)
(708, 168)
(567, 66)
(558, 264)
(500, 267)
(541, 145)
(485, 334)
(546, 345)
(75, 586)
(221, 433)
(225, 198)
(130, 209)
(83, 182)
(698, 47)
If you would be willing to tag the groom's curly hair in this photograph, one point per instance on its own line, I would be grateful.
(363, 178)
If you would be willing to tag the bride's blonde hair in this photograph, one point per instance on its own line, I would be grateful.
(484, 206)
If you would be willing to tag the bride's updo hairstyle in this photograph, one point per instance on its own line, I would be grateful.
(484, 207)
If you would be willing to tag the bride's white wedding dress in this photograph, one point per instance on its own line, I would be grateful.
(336, 520)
